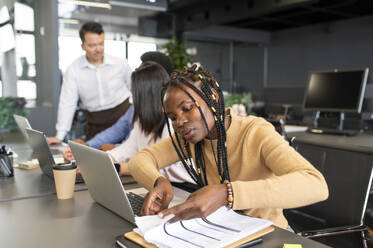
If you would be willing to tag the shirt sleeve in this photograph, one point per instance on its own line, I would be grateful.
(117, 133)
(295, 182)
(144, 166)
(125, 151)
(67, 104)
(127, 75)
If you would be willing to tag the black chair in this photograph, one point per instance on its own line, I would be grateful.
(338, 221)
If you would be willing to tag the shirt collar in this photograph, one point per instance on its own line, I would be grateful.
(107, 61)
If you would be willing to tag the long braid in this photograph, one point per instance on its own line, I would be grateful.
(187, 77)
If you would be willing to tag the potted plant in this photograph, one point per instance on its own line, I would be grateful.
(8, 107)
(241, 103)
(178, 53)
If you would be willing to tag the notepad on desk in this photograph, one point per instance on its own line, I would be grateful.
(223, 228)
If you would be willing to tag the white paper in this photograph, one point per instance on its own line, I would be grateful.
(223, 227)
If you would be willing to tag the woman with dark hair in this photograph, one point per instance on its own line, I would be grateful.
(239, 162)
(148, 120)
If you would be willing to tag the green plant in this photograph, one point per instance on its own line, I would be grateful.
(8, 107)
(240, 98)
(177, 52)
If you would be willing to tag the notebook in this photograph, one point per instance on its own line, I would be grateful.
(222, 228)
(23, 124)
(105, 186)
(38, 142)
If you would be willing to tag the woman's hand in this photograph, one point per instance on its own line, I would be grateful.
(68, 155)
(107, 147)
(53, 140)
(200, 203)
(158, 198)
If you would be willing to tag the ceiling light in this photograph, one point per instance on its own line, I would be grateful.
(68, 21)
(87, 3)
(148, 4)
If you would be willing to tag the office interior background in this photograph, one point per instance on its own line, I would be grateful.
(266, 47)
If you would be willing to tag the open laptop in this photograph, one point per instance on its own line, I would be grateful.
(23, 124)
(105, 186)
(38, 142)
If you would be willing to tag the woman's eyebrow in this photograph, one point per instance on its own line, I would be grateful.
(181, 103)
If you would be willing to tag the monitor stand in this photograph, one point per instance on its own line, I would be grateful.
(337, 131)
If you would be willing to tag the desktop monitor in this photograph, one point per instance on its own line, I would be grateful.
(336, 91)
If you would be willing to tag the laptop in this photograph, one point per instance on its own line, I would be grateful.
(38, 142)
(23, 124)
(105, 186)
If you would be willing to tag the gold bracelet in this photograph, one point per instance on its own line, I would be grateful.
(229, 194)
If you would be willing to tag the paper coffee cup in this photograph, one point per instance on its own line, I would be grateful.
(64, 179)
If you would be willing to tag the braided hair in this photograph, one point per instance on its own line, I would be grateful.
(189, 76)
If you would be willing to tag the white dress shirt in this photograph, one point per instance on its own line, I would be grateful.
(99, 88)
(137, 141)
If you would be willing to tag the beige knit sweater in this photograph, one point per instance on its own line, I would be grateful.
(267, 174)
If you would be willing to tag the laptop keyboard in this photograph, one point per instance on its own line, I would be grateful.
(136, 202)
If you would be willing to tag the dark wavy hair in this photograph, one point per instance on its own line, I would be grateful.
(146, 87)
(90, 27)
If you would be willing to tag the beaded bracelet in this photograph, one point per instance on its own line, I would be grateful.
(230, 194)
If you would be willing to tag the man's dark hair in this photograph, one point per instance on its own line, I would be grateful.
(160, 58)
(146, 87)
(90, 27)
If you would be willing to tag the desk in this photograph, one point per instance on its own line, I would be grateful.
(40, 220)
(25, 183)
(360, 143)
(346, 163)
(29, 183)
(79, 222)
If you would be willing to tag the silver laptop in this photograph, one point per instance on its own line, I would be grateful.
(38, 142)
(105, 186)
(23, 124)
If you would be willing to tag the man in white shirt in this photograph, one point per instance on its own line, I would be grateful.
(100, 81)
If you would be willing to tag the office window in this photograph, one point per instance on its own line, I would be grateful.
(25, 51)
(136, 49)
(69, 50)
(23, 17)
(116, 48)
(1, 82)
(26, 89)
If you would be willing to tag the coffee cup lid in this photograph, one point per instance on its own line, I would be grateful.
(65, 166)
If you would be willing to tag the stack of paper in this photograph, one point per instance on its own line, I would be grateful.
(221, 228)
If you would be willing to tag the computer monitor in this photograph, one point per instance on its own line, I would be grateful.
(336, 91)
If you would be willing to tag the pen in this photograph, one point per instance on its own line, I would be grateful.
(250, 243)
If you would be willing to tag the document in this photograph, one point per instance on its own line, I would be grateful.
(219, 229)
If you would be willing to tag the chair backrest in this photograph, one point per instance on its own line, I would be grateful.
(349, 176)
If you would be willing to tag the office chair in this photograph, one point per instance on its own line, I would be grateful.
(338, 221)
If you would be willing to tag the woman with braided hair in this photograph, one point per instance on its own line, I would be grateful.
(240, 162)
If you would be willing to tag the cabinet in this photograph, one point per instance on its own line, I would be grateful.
(346, 174)
(346, 163)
